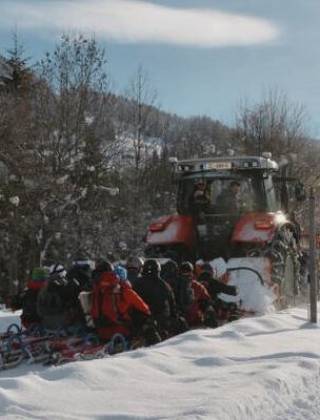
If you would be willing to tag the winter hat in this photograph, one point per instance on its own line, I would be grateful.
(39, 274)
(219, 267)
(121, 272)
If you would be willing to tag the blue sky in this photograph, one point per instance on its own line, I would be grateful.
(202, 56)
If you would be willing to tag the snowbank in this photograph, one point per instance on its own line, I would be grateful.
(253, 369)
(253, 295)
(7, 317)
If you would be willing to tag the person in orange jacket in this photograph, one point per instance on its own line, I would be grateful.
(115, 307)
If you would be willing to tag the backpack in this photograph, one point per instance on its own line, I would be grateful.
(106, 297)
(29, 305)
(51, 300)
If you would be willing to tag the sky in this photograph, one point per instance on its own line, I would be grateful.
(203, 57)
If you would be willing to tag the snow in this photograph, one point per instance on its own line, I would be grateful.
(8, 317)
(253, 369)
(251, 293)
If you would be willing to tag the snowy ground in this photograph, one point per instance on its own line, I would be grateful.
(266, 367)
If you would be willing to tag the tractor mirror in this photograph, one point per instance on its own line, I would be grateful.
(300, 191)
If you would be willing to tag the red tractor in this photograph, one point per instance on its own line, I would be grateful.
(234, 207)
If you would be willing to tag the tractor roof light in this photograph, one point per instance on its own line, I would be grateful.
(173, 160)
(264, 224)
(249, 164)
(157, 227)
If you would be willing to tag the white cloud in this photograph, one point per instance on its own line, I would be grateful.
(140, 21)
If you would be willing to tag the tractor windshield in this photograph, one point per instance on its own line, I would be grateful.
(220, 195)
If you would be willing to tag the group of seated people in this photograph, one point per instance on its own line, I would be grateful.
(137, 299)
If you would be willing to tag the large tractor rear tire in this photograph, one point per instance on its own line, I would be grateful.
(285, 266)
(282, 252)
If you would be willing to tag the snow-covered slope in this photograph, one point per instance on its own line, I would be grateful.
(256, 368)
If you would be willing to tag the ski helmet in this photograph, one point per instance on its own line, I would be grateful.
(205, 277)
(186, 267)
(104, 266)
(121, 272)
(170, 267)
(151, 267)
(135, 263)
(207, 268)
(57, 270)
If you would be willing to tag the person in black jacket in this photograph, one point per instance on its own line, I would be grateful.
(80, 275)
(78, 279)
(134, 267)
(53, 300)
(225, 311)
(38, 279)
(215, 287)
(170, 274)
(157, 294)
(57, 303)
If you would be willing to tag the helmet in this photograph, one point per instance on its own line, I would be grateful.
(103, 266)
(83, 264)
(170, 267)
(151, 267)
(205, 277)
(123, 246)
(121, 272)
(135, 263)
(200, 182)
(207, 268)
(186, 267)
(57, 270)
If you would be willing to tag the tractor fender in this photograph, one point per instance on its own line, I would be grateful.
(170, 230)
(258, 228)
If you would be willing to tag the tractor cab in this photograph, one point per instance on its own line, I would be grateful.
(245, 182)
(224, 206)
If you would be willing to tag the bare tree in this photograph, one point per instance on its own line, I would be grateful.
(141, 100)
(274, 125)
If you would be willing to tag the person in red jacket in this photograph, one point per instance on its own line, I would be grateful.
(115, 307)
(200, 311)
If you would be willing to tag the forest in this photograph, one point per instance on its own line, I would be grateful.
(84, 170)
